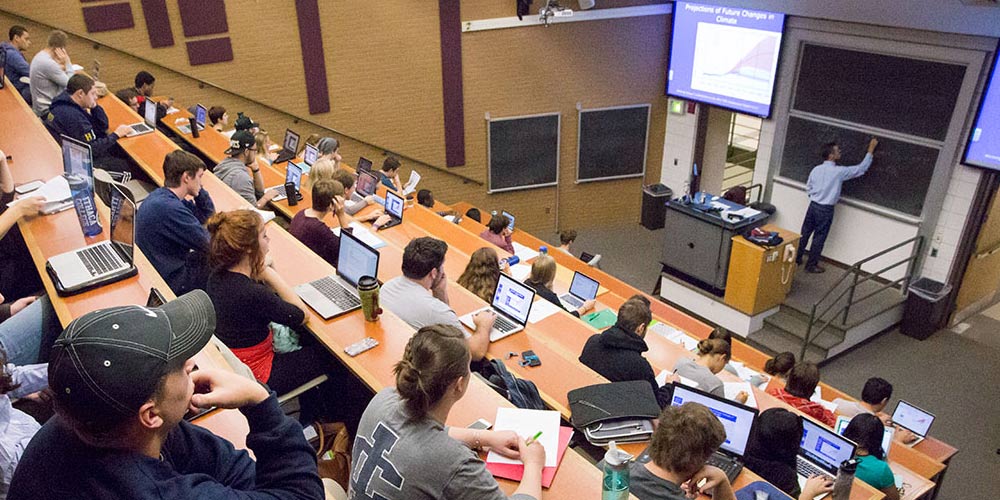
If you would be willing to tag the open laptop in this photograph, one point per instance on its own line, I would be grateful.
(288, 147)
(738, 421)
(886, 437)
(394, 209)
(293, 174)
(309, 156)
(365, 186)
(912, 419)
(510, 217)
(335, 295)
(104, 262)
(364, 165)
(147, 126)
(200, 115)
(581, 289)
(821, 452)
(512, 303)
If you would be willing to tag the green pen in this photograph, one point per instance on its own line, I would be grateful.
(533, 438)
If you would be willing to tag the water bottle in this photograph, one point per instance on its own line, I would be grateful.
(543, 250)
(616, 478)
(845, 478)
(510, 261)
(83, 202)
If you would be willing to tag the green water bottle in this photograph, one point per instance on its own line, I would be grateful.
(615, 483)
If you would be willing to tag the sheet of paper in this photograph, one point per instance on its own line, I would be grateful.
(267, 215)
(829, 405)
(746, 212)
(745, 374)
(54, 190)
(411, 183)
(524, 253)
(674, 335)
(363, 234)
(171, 110)
(541, 309)
(449, 218)
(520, 272)
(734, 388)
(527, 423)
(661, 379)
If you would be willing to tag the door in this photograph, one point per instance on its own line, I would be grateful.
(980, 283)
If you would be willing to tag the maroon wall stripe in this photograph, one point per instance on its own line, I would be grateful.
(116, 16)
(450, 20)
(157, 23)
(203, 17)
(210, 51)
(313, 60)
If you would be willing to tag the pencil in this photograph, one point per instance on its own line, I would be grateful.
(533, 438)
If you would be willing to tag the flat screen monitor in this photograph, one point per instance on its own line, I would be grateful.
(824, 447)
(912, 418)
(200, 114)
(513, 298)
(983, 146)
(725, 56)
(356, 259)
(584, 286)
(294, 175)
(77, 160)
(149, 113)
(291, 142)
(310, 155)
(393, 204)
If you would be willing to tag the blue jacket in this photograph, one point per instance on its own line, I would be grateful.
(172, 235)
(16, 66)
(68, 118)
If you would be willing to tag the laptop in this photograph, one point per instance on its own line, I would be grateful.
(912, 419)
(821, 452)
(293, 174)
(104, 262)
(149, 125)
(512, 303)
(737, 419)
(365, 186)
(886, 438)
(394, 209)
(510, 217)
(364, 165)
(309, 156)
(200, 115)
(581, 289)
(289, 146)
(335, 295)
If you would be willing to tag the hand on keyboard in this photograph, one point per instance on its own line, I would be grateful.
(816, 486)
(484, 318)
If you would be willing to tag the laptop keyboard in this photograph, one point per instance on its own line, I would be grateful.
(337, 294)
(732, 468)
(807, 470)
(281, 191)
(572, 300)
(501, 324)
(100, 260)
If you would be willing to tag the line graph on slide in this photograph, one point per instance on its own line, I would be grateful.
(734, 61)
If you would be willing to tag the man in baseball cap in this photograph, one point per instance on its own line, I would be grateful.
(233, 170)
(123, 379)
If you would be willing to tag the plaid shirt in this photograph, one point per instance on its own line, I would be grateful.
(810, 408)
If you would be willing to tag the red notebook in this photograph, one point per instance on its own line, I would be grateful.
(516, 471)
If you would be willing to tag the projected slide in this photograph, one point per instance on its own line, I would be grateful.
(983, 149)
(725, 56)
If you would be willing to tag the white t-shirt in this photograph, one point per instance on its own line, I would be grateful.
(416, 305)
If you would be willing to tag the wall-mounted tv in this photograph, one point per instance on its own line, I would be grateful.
(725, 56)
(983, 147)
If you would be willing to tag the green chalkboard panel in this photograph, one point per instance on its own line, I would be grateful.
(524, 152)
(612, 143)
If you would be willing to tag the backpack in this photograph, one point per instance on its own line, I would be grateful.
(522, 393)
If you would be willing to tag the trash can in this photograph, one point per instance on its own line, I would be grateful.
(926, 308)
(654, 205)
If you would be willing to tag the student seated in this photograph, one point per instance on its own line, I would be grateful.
(496, 232)
(15, 65)
(420, 296)
(122, 380)
(481, 275)
(169, 227)
(323, 169)
(771, 451)
(249, 295)
(264, 156)
(867, 431)
(354, 204)
(49, 72)
(145, 83)
(403, 449)
(128, 96)
(473, 213)
(17, 426)
(218, 118)
(566, 238)
(874, 398)
(801, 385)
(543, 274)
(308, 226)
(329, 149)
(711, 358)
(722, 334)
(389, 174)
(686, 437)
(780, 365)
(616, 353)
(75, 113)
(242, 155)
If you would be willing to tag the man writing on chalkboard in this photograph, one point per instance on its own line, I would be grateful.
(823, 189)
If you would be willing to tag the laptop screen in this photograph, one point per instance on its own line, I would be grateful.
(200, 114)
(364, 164)
(886, 437)
(77, 160)
(366, 184)
(294, 175)
(913, 418)
(122, 221)
(150, 113)
(513, 298)
(291, 142)
(356, 259)
(510, 217)
(584, 286)
(736, 419)
(394, 204)
(824, 447)
(310, 155)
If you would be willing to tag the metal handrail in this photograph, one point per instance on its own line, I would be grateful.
(859, 277)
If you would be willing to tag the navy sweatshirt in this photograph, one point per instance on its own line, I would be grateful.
(194, 464)
(68, 118)
(170, 232)
(616, 354)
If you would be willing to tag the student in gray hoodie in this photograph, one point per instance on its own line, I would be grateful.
(233, 170)
(50, 71)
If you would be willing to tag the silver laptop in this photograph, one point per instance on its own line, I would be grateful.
(293, 174)
(821, 452)
(581, 289)
(149, 110)
(200, 115)
(104, 262)
(512, 303)
(912, 419)
(890, 431)
(365, 186)
(289, 146)
(309, 156)
(335, 295)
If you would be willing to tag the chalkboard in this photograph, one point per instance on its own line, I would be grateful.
(898, 179)
(612, 143)
(524, 152)
(906, 95)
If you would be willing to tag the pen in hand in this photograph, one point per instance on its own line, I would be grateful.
(533, 438)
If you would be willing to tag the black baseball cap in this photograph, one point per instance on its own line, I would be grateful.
(110, 361)
(243, 122)
(241, 141)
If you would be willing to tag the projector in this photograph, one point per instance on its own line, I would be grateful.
(553, 9)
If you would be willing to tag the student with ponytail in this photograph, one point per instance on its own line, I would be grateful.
(403, 449)
(712, 356)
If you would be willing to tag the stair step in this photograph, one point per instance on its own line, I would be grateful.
(773, 340)
(795, 325)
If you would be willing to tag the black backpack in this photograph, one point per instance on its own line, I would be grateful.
(522, 393)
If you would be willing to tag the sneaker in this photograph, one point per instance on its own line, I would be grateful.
(815, 269)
